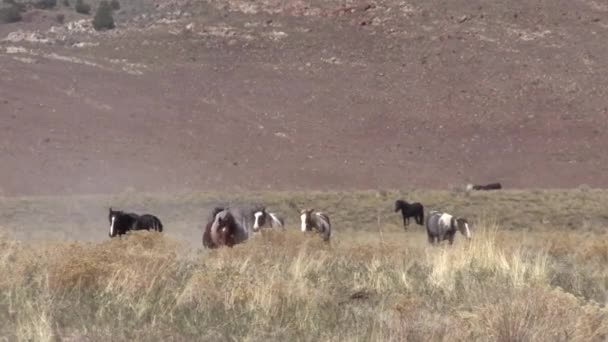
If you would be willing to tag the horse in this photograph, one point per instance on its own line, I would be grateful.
(221, 231)
(122, 222)
(415, 210)
(442, 226)
(207, 242)
(486, 187)
(318, 221)
(263, 217)
(244, 222)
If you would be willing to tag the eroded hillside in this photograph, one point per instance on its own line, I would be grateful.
(305, 94)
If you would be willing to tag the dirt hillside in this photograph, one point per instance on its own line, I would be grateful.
(281, 95)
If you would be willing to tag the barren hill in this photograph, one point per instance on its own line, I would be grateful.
(305, 95)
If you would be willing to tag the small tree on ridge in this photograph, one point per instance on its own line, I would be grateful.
(103, 17)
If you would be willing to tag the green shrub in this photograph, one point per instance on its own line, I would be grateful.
(45, 4)
(10, 14)
(82, 7)
(115, 5)
(103, 17)
(20, 6)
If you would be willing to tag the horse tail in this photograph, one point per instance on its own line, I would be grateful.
(159, 225)
(421, 215)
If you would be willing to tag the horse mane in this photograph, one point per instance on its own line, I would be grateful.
(275, 218)
(207, 242)
(226, 238)
(213, 212)
(230, 223)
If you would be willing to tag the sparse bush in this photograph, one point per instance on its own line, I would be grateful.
(584, 188)
(19, 5)
(60, 18)
(103, 17)
(45, 4)
(82, 7)
(10, 14)
(66, 3)
(115, 5)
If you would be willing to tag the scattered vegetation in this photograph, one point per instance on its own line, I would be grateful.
(60, 18)
(10, 14)
(45, 4)
(115, 5)
(103, 17)
(286, 285)
(82, 7)
(66, 3)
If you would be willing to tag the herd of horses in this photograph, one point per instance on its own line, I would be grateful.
(231, 225)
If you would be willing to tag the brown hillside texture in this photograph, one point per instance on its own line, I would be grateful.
(288, 95)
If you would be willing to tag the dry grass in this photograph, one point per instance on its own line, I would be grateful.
(535, 270)
(503, 286)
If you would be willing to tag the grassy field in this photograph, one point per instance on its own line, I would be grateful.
(534, 271)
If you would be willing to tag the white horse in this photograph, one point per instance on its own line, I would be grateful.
(261, 218)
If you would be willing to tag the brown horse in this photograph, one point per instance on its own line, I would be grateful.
(221, 231)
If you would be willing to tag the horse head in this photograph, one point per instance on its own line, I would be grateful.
(463, 226)
(306, 218)
(399, 204)
(112, 217)
(259, 218)
(223, 229)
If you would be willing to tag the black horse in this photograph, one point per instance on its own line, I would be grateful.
(415, 210)
(486, 187)
(121, 222)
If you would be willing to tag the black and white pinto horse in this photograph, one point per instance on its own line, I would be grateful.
(318, 221)
(231, 225)
(486, 187)
(415, 210)
(442, 226)
(121, 222)
(262, 218)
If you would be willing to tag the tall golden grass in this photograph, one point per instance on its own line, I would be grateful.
(289, 286)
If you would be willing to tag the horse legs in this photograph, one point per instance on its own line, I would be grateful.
(419, 219)
(451, 238)
(405, 221)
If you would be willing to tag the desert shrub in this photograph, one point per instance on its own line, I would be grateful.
(60, 18)
(82, 7)
(115, 4)
(66, 3)
(103, 17)
(10, 14)
(45, 4)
